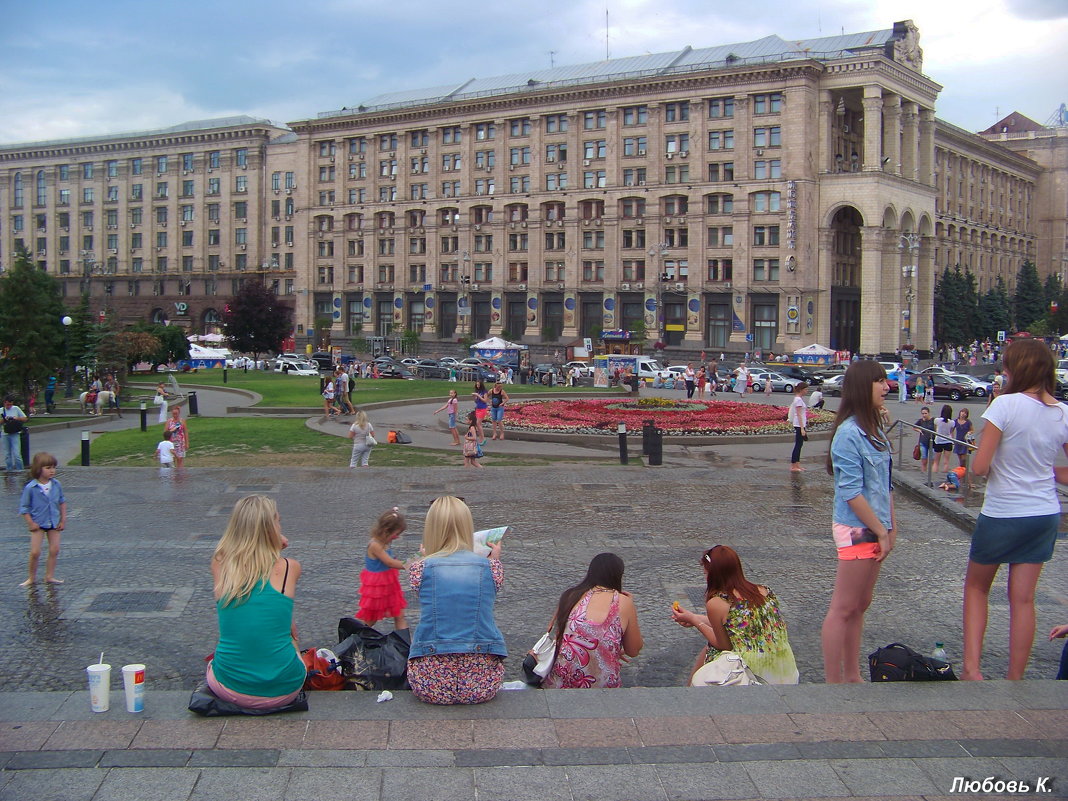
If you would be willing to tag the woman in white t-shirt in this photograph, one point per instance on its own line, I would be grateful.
(798, 417)
(1025, 429)
(943, 426)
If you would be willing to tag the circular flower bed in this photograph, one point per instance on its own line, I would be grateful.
(602, 416)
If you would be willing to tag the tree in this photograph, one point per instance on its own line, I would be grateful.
(1029, 303)
(255, 321)
(173, 344)
(995, 311)
(952, 316)
(1058, 320)
(31, 328)
(1052, 289)
(410, 342)
(121, 350)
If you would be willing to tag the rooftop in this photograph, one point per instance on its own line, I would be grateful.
(768, 50)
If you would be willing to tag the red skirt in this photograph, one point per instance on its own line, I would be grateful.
(380, 595)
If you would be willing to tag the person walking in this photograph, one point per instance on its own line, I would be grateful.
(14, 420)
(451, 405)
(798, 417)
(361, 432)
(179, 435)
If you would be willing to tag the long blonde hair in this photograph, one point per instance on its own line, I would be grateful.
(360, 419)
(449, 527)
(248, 549)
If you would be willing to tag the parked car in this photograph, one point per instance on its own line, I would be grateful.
(936, 369)
(323, 359)
(448, 361)
(584, 369)
(395, 371)
(411, 361)
(428, 368)
(543, 372)
(944, 386)
(982, 388)
(779, 383)
(833, 384)
(796, 374)
(296, 367)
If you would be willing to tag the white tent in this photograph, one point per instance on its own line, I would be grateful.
(814, 350)
(496, 343)
(200, 352)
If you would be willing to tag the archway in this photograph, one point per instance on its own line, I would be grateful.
(845, 279)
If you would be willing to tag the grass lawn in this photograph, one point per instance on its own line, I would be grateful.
(296, 390)
(266, 442)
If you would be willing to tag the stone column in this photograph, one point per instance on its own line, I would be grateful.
(910, 120)
(571, 315)
(873, 298)
(826, 131)
(694, 336)
(496, 312)
(871, 158)
(925, 173)
(892, 133)
(923, 285)
(818, 325)
(431, 309)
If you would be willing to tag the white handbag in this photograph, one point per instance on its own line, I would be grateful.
(728, 669)
(371, 441)
(539, 660)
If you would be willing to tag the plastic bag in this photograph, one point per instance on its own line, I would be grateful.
(371, 660)
(204, 702)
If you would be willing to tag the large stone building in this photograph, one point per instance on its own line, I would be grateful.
(768, 194)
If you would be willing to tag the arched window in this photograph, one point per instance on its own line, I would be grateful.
(16, 200)
(41, 198)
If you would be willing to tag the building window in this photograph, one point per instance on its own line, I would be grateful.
(767, 137)
(593, 270)
(485, 186)
(161, 264)
(765, 201)
(187, 162)
(766, 235)
(213, 186)
(519, 155)
(634, 146)
(721, 171)
(187, 264)
(765, 269)
(595, 149)
(213, 160)
(519, 127)
(635, 115)
(161, 239)
(555, 240)
(767, 103)
(485, 158)
(719, 204)
(721, 140)
(419, 138)
(452, 135)
(518, 242)
(161, 165)
(555, 123)
(241, 157)
(326, 173)
(519, 184)
(594, 179)
(162, 190)
(554, 271)
(240, 236)
(556, 180)
(87, 195)
(485, 131)
(187, 189)
(720, 108)
(766, 168)
(113, 194)
(676, 204)
(631, 207)
(677, 112)
(633, 269)
(483, 271)
(64, 198)
(634, 176)
(451, 162)
(556, 152)
(594, 120)
(135, 241)
(677, 174)
(593, 240)
(241, 183)
(633, 238)
(720, 269)
(721, 236)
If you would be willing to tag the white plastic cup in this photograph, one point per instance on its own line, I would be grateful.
(133, 681)
(99, 687)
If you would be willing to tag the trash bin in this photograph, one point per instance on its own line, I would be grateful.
(648, 426)
(656, 447)
(194, 408)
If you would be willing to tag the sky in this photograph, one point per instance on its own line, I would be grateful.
(69, 68)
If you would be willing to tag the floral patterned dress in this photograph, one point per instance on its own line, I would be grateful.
(589, 652)
(758, 635)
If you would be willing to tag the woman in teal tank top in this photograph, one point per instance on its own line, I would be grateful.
(257, 663)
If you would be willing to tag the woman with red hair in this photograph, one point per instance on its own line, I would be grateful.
(742, 617)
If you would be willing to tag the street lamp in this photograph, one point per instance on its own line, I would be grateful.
(660, 249)
(910, 243)
(464, 302)
(69, 391)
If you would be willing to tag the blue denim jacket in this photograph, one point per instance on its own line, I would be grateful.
(44, 509)
(859, 469)
(456, 597)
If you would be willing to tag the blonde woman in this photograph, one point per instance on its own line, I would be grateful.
(359, 432)
(256, 664)
(457, 654)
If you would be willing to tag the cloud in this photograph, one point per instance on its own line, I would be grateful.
(1038, 9)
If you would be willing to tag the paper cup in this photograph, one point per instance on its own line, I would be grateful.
(99, 687)
(133, 681)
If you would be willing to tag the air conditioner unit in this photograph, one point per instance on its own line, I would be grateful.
(480, 193)
(625, 287)
(598, 221)
(521, 287)
(727, 284)
(641, 183)
(489, 168)
(586, 223)
(159, 250)
(112, 251)
(680, 286)
(288, 217)
(331, 159)
(667, 221)
(474, 287)
(352, 156)
(669, 156)
(422, 152)
(641, 151)
(639, 221)
(360, 156)
(523, 224)
(560, 285)
(185, 222)
(43, 253)
(478, 226)
(112, 227)
(561, 166)
(639, 285)
(242, 246)
(274, 244)
(211, 169)
(87, 228)
(511, 225)
(585, 162)
(683, 154)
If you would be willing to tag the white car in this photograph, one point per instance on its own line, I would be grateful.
(448, 361)
(296, 367)
(833, 384)
(582, 369)
(411, 361)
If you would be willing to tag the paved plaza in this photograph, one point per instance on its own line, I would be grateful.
(138, 587)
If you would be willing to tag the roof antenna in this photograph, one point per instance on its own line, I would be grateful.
(552, 61)
(607, 53)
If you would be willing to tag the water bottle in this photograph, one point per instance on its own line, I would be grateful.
(939, 652)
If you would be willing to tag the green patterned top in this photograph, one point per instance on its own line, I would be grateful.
(758, 635)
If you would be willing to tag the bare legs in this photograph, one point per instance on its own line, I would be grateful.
(36, 539)
(1023, 578)
(854, 586)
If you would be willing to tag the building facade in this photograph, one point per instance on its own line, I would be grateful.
(764, 195)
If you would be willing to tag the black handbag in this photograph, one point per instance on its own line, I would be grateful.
(371, 660)
(897, 662)
(204, 702)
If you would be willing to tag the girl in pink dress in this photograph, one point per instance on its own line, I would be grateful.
(596, 623)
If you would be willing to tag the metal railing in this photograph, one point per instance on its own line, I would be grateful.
(901, 425)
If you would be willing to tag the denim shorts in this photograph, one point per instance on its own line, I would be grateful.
(452, 420)
(496, 413)
(1014, 540)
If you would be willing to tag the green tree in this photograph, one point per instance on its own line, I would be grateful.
(1052, 289)
(255, 321)
(952, 316)
(172, 342)
(410, 342)
(1029, 303)
(995, 311)
(31, 327)
(1058, 320)
(969, 303)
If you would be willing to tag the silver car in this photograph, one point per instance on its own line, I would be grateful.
(779, 383)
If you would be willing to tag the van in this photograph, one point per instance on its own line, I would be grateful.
(645, 367)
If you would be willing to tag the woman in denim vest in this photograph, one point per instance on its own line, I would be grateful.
(457, 654)
(864, 527)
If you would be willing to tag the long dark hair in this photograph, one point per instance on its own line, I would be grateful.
(605, 570)
(857, 403)
(1030, 366)
(724, 574)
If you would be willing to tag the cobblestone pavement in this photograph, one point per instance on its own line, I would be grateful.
(137, 549)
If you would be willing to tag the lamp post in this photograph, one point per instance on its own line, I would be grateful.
(910, 243)
(69, 391)
(660, 250)
(463, 304)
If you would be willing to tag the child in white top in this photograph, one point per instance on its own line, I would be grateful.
(165, 450)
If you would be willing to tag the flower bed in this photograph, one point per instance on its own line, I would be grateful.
(600, 416)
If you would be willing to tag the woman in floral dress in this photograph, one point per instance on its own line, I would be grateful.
(596, 623)
(741, 617)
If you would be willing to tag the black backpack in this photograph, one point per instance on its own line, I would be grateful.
(897, 662)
